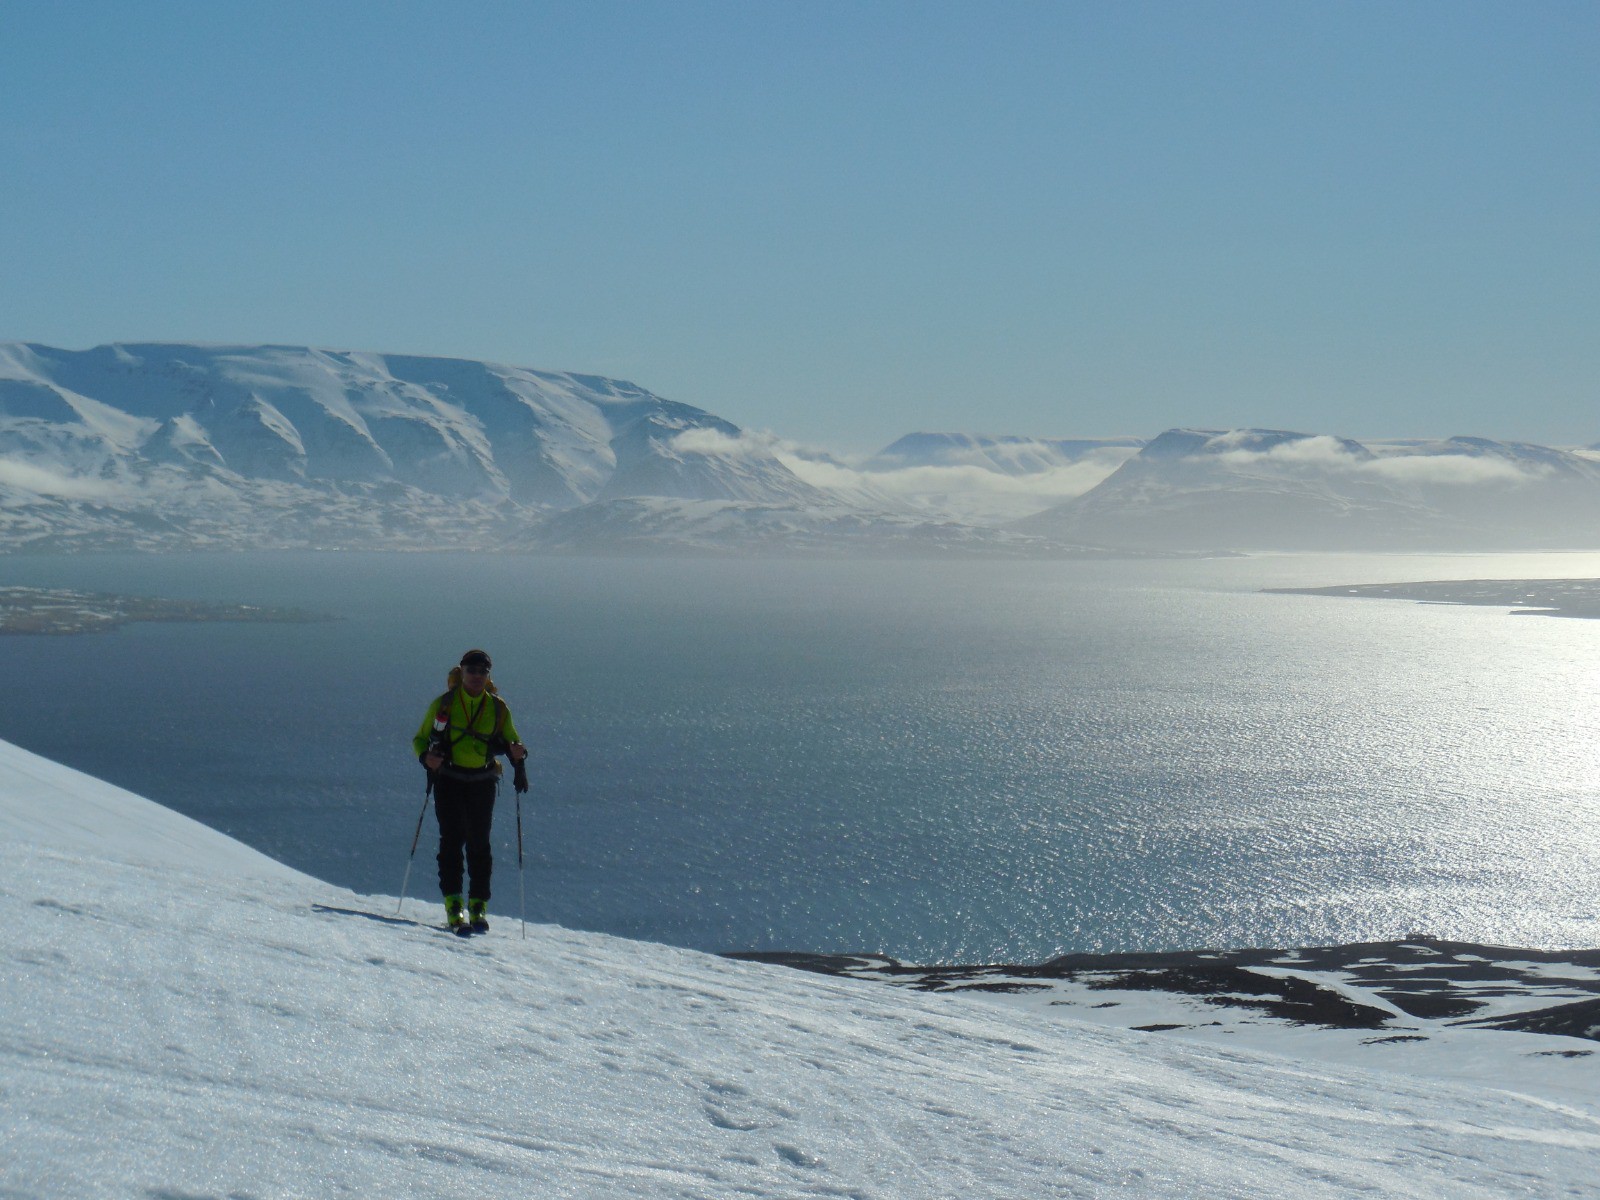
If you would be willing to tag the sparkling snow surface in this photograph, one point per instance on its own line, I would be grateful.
(184, 1017)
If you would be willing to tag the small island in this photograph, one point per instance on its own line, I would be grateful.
(64, 611)
(1540, 597)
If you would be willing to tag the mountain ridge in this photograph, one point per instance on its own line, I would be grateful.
(156, 444)
(1279, 490)
(167, 446)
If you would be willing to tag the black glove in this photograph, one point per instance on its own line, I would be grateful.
(519, 776)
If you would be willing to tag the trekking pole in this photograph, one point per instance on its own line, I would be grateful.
(415, 838)
(522, 879)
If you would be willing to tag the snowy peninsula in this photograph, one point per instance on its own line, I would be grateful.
(184, 1016)
(1541, 597)
(62, 610)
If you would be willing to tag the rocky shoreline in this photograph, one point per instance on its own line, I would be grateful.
(1400, 991)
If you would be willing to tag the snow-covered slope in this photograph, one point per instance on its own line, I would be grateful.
(1517, 1018)
(48, 808)
(185, 1017)
(1252, 489)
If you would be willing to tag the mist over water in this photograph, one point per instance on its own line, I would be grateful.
(941, 761)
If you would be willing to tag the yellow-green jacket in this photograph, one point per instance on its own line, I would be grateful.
(474, 723)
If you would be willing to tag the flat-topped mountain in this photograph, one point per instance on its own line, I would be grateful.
(159, 445)
(294, 413)
(1256, 489)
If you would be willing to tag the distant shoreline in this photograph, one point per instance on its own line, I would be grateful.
(64, 611)
(1538, 597)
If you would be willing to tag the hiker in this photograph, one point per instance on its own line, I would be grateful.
(462, 732)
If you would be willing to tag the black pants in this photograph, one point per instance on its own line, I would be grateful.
(465, 808)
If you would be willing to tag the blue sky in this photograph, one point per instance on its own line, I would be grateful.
(843, 221)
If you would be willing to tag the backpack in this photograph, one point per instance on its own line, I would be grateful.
(494, 742)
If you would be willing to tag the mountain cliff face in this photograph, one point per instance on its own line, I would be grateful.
(1256, 489)
(158, 445)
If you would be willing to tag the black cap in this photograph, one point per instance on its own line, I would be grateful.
(476, 658)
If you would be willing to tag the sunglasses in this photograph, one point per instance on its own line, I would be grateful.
(474, 670)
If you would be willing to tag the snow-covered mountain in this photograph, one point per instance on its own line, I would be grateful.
(988, 480)
(271, 445)
(186, 1017)
(662, 525)
(182, 446)
(1003, 455)
(1255, 489)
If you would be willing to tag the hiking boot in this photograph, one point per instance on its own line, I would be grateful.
(478, 913)
(453, 918)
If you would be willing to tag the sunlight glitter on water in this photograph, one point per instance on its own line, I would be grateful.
(941, 761)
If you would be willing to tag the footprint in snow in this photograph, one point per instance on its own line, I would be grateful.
(797, 1157)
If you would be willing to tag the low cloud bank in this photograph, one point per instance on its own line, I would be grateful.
(1461, 470)
(42, 481)
(746, 444)
(1062, 482)
(824, 469)
(1405, 466)
(967, 490)
(985, 492)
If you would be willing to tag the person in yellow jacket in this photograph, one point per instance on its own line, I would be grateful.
(460, 735)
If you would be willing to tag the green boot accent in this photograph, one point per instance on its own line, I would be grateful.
(452, 912)
(478, 911)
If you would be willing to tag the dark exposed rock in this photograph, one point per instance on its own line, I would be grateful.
(1423, 978)
(1580, 1020)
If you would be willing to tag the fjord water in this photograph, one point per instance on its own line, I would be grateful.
(941, 761)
